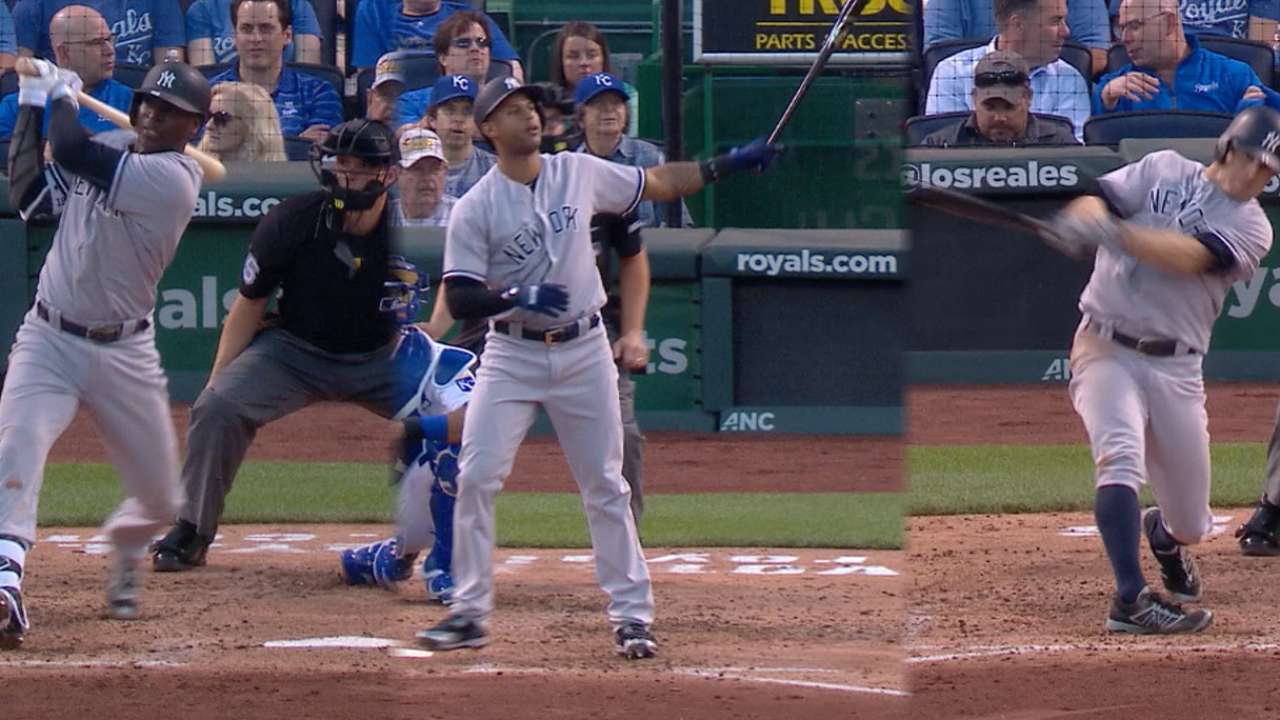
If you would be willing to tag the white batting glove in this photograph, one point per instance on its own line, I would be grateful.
(34, 90)
(72, 80)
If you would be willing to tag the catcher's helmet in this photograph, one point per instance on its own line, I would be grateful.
(176, 83)
(405, 290)
(370, 140)
(1255, 131)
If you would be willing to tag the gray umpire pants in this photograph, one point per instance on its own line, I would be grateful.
(278, 374)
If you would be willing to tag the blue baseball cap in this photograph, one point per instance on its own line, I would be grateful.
(593, 85)
(449, 87)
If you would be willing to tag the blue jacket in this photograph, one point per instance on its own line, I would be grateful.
(112, 92)
(1205, 80)
(301, 100)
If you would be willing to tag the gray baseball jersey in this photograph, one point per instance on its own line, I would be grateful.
(504, 233)
(462, 177)
(1166, 190)
(111, 248)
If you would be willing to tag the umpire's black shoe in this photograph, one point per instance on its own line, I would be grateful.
(454, 632)
(635, 642)
(1258, 535)
(1177, 568)
(182, 549)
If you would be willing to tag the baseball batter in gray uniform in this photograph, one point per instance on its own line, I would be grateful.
(518, 250)
(89, 337)
(1174, 235)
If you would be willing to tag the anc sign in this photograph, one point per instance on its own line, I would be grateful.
(792, 31)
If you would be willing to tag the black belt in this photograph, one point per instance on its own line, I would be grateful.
(1147, 346)
(97, 333)
(550, 336)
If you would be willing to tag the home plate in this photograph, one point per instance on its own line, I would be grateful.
(341, 641)
(407, 652)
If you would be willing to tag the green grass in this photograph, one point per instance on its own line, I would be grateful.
(948, 480)
(83, 494)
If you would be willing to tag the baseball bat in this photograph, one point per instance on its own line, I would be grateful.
(213, 168)
(960, 205)
(828, 47)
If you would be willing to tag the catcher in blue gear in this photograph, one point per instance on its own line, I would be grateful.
(435, 384)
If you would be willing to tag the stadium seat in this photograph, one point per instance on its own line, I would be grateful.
(1254, 54)
(297, 148)
(130, 74)
(921, 126)
(1078, 57)
(1110, 129)
(499, 69)
(940, 51)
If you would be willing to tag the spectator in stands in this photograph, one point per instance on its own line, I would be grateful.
(580, 50)
(81, 42)
(560, 131)
(1001, 109)
(1245, 19)
(423, 201)
(1034, 29)
(243, 125)
(451, 118)
(385, 25)
(462, 47)
(382, 98)
(8, 40)
(145, 31)
(602, 112)
(211, 33)
(1169, 69)
(307, 105)
(1088, 20)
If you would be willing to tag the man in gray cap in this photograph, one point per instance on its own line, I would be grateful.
(1001, 109)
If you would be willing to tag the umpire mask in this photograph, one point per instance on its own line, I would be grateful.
(369, 140)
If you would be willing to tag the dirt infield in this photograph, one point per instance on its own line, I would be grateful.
(744, 633)
(1007, 611)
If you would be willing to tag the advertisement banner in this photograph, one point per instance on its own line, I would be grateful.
(791, 32)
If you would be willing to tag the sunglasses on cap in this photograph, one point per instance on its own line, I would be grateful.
(1004, 77)
(464, 43)
(221, 117)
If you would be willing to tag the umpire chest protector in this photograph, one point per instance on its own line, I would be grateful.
(331, 282)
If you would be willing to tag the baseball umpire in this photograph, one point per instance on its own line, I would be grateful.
(89, 338)
(518, 251)
(1174, 237)
(328, 252)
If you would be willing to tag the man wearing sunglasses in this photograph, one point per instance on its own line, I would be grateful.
(1036, 30)
(1001, 110)
(82, 43)
(1168, 69)
(386, 25)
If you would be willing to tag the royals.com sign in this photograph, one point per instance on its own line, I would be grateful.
(792, 31)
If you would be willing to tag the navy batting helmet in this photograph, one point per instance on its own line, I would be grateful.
(176, 83)
(369, 140)
(1256, 132)
(405, 290)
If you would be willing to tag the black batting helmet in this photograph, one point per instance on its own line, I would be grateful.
(176, 83)
(369, 140)
(1256, 132)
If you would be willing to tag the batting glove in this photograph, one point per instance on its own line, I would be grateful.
(72, 85)
(755, 156)
(34, 90)
(549, 299)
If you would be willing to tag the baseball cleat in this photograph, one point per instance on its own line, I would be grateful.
(18, 624)
(454, 632)
(1258, 535)
(122, 591)
(182, 549)
(1152, 614)
(635, 642)
(1177, 569)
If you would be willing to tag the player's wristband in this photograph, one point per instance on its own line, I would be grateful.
(435, 428)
